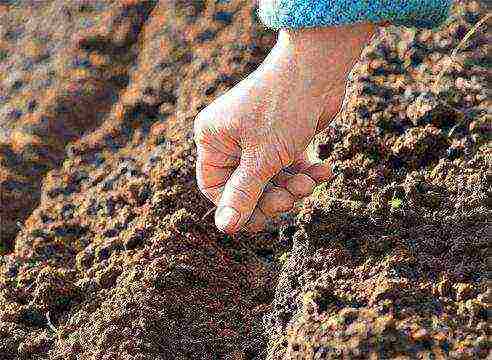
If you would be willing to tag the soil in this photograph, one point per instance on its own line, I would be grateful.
(109, 250)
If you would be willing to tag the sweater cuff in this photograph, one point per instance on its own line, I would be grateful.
(297, 14)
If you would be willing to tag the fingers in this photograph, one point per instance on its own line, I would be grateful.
(252, 201)
(301, 164)
(211, 179)
(276, 201)
(256, 222)
(319, 172)
(243, 198)
(241, 194)
(281, 198)
(213, 168)
(291, 179)
(298, 185)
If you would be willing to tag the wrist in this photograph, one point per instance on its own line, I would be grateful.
(334, 48)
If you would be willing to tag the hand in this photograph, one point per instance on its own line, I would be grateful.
(251, 141)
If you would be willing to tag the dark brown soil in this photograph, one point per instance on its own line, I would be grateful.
(107, 249)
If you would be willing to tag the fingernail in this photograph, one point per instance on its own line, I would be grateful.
(226, 218)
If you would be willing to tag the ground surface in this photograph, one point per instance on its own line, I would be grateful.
(108, 255)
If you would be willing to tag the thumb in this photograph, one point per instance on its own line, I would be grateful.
(241, 194)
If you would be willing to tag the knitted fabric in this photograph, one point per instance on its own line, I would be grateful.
(296, 14)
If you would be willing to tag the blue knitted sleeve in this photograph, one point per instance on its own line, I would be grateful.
(296, 14)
